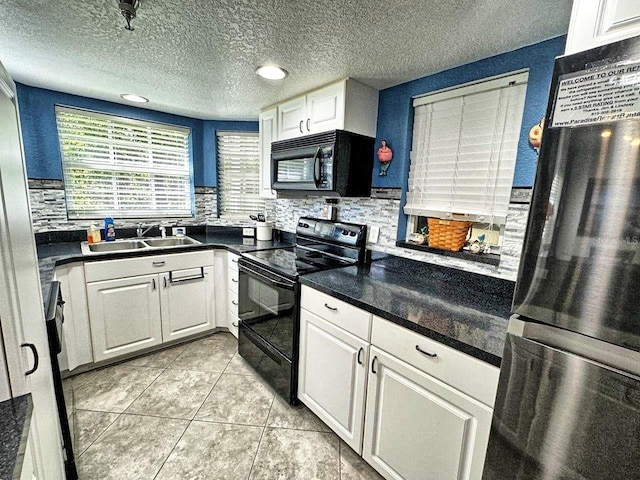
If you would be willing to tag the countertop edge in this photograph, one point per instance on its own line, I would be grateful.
(448, 341)
(24, 436)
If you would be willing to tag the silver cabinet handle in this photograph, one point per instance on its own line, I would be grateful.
(234, 302)
(359, 353)
(153, 284)
(164, 279)
(373, 363)
(333, 309)
(234, 260)
(159, 264)
(234, 280)
(428, 354)
(308, 120)
(301, 122)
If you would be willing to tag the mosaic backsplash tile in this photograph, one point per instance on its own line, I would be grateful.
(49, 213)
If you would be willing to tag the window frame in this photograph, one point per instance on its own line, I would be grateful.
(102, 213)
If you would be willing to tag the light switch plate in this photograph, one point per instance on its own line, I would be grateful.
(248, 232)
(177, 231)
(374, 234)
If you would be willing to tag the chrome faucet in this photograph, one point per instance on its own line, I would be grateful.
(141, 233)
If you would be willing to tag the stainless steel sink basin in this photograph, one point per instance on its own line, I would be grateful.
(116, 246)
(170, 242)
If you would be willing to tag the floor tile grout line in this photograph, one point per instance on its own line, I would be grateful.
(264, 429)
(118, 415)
(172, 449)
(207, 396)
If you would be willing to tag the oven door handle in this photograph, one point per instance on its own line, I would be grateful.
(248, 271)
(316, 167)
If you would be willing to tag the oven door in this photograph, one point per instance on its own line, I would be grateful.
(308, 168)
(268, 329)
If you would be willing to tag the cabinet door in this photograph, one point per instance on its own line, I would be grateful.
(419, 428)
(187, 302)
(268, 133)
(332, 376)
(291, 118)
(124, 315)
(325, 109)
(597, 22)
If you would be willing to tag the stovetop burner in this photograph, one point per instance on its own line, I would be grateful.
(295, 261)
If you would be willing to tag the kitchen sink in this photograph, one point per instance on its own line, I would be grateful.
(116, 246)
(135, 244)
(170, 242)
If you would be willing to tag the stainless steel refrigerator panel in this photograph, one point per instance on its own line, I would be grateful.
(580, 267)
(559, 416)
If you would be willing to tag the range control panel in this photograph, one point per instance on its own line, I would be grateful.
(345, 233)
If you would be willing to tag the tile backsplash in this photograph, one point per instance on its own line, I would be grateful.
(49, 213)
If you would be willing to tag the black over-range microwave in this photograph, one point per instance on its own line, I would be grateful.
(331, 163)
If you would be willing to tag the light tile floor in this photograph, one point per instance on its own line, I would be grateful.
(198, 411)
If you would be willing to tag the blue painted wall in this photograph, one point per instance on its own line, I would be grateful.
(395, 111)
(40, 134)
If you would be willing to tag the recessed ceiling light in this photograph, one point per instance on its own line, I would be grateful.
(605, 133)
(272, 72)
(134, 98)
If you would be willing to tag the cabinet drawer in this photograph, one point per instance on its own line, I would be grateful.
(233, 303)
(233, 324)
(233, 281)
(469, 375)
(342, 314)
(129, 267)
(232, 260)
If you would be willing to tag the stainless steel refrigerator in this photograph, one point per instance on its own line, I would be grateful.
(568, 403)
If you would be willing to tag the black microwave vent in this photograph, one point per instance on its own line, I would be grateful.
(306, 141)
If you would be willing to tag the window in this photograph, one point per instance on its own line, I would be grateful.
(125, 168)
(465, 143)
(238, 174)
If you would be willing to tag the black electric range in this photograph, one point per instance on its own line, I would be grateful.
(269, 295)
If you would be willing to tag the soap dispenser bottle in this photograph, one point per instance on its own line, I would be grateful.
(109, 230)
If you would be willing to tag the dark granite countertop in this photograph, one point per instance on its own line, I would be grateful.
(15, 420)
(51, 255)
(467, 311)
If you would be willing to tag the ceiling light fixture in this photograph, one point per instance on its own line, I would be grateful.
(134, 98)
(272, 72)
(128, 10)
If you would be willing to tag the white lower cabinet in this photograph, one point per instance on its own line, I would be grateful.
(187, 302)
(419, 428)
(333, 376)
(137, 312)
(124, 315)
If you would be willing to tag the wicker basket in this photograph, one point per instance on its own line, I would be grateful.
(448, 234)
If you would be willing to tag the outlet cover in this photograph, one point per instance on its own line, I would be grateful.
(248, 232)
(178, 231)
(374, 234)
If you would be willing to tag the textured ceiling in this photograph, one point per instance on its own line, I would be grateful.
(198, 58)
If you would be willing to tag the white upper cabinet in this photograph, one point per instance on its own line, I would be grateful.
(598, 22)
(325, 109)
(292, 116)
(268, 133)
(344, 105)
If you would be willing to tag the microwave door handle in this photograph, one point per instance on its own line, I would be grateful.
(316, 168)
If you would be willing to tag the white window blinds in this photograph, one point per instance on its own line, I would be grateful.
(238, 174)
(124, 168)
(465, 144)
